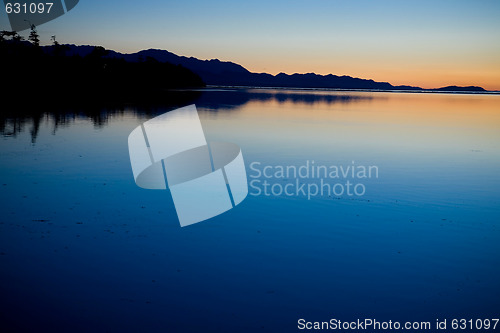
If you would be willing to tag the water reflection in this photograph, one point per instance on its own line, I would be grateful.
(425, 236)
(29, 116)
(230, 99)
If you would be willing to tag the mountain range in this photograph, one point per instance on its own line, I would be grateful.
(226, 73)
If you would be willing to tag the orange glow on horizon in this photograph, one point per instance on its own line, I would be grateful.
(425, 71)
(427, 79)
(431, 72)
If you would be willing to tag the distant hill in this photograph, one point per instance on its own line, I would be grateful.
(225, 73)
(455, 88)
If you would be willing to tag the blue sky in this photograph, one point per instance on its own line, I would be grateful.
(426, 43)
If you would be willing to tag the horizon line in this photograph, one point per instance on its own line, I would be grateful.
(286, 73)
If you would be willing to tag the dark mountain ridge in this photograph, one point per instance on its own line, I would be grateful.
(226, 73)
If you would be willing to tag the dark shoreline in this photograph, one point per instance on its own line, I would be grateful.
(433, 91)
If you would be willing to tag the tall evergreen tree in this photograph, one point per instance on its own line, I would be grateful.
(34, 37)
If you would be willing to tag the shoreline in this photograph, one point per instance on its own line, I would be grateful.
(424, 91)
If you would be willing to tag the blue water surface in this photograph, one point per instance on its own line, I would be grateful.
(83, 249)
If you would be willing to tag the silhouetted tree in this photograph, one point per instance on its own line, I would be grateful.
(17, 37)
(54, 41)
(34, 37)
(59, 50)
(12, 34)
(98, 52)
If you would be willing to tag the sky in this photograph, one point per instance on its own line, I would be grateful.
(422, 43)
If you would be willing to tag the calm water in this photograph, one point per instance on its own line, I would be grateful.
(84, 249)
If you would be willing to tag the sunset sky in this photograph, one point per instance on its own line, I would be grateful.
(425, 43)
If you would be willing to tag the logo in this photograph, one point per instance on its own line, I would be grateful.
(205, 179)
(23, 14)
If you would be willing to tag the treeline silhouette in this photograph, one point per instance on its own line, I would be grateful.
(32, 76)
(49, 83)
